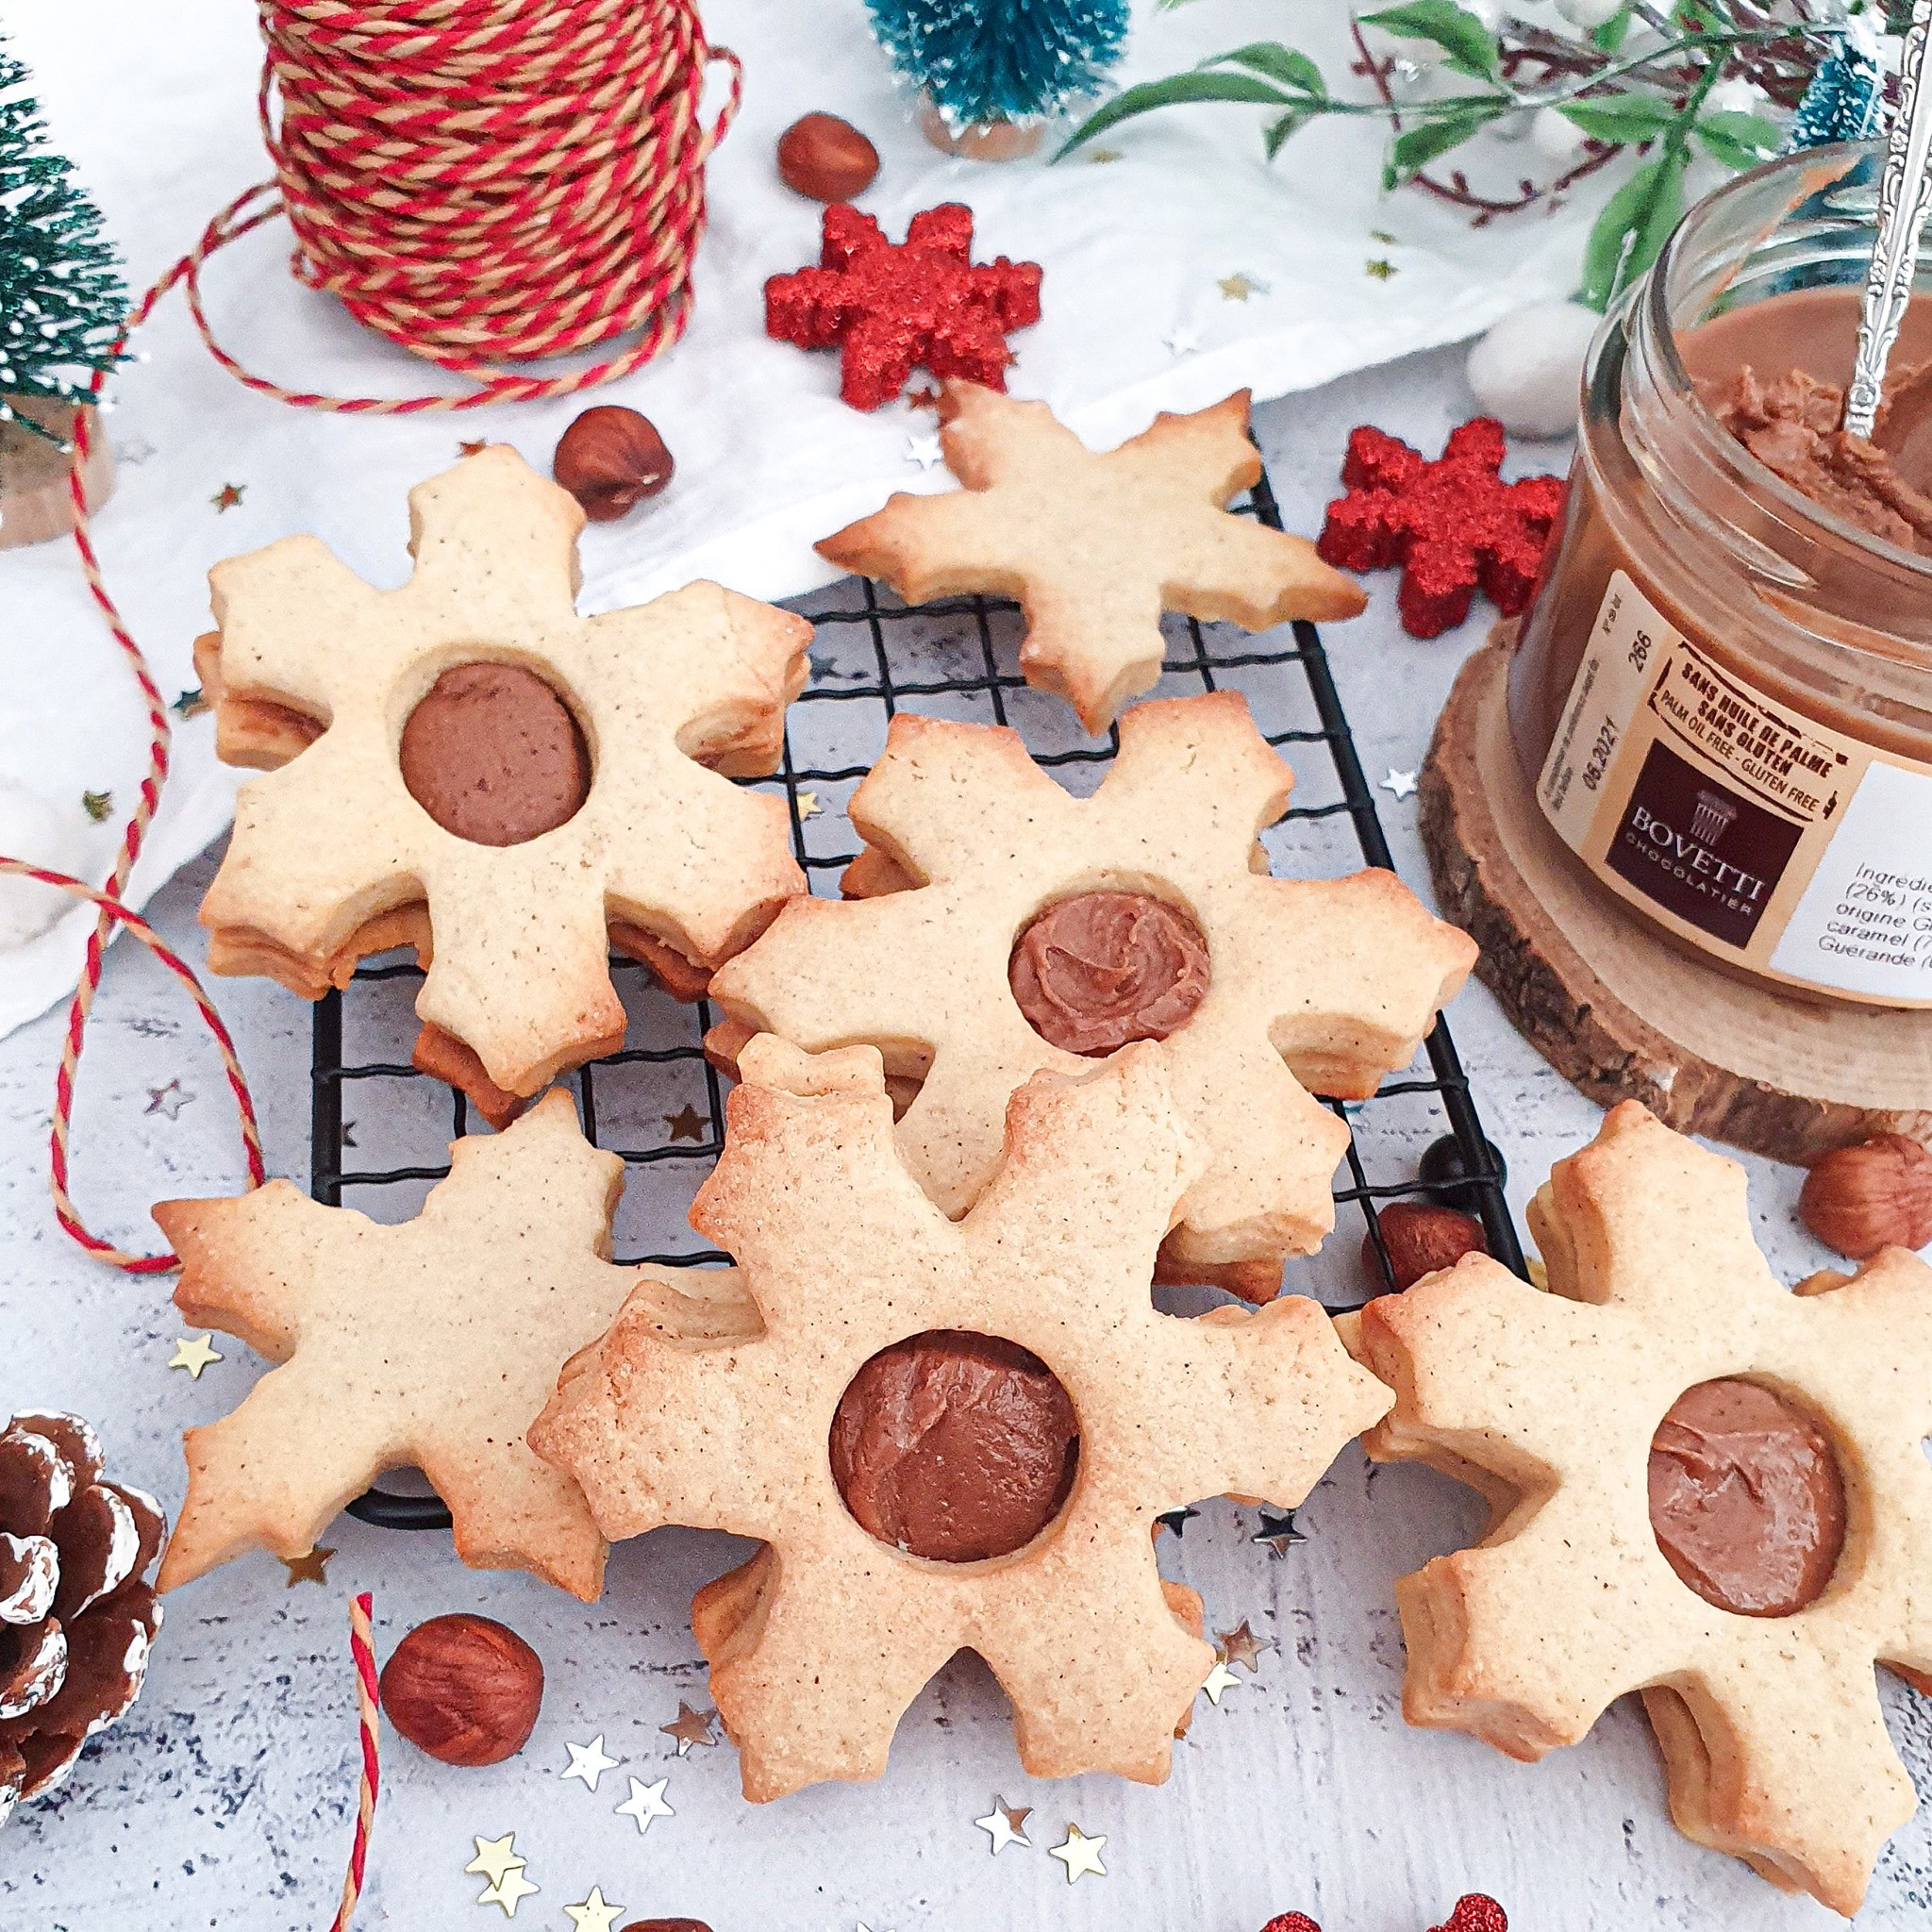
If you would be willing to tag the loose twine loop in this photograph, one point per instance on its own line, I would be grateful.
(479, 181)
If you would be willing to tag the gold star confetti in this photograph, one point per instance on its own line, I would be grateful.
(1383, 236)
(494, 1857)
(687, 1123)
(1242, 1647)
(97, 805)
(1079, 1853)
(194, 1355)
(692, 1727)
(227, 496)
(1219, 1680)
(1103, 155)
(1379, 268)
(313, 1568)
(472, 449)
(593, 1915)
(588, 1762)
(646, 1803)
(1006, 1824)
(190, 704)
(508, 1891)
(808, 806)
(1239, 288)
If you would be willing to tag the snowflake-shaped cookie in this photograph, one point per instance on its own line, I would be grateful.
(331, 856)
(432, 1343)
(819, 1644)
(1095, 544)
(1771, 1728)
(1315, 984)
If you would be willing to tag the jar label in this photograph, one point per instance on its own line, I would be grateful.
(1762, 835)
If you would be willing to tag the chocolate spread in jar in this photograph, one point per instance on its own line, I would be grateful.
(493, 754)
(1101, 969)
(955, 1446)
(1746, 1499)
(1791, 422)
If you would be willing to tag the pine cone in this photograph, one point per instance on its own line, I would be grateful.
(75, 1616)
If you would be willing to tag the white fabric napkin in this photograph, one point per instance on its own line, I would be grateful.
(156, 105)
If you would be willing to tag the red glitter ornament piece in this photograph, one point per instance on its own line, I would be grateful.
(1454, 526)
(1475, 1912)
(1291, 1922)
(895, 307)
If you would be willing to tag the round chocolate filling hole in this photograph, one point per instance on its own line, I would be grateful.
(955, 1446)
(1747, 1501)
(1100, 969)
(495, 755)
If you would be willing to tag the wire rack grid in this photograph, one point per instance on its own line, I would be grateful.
(869, 659)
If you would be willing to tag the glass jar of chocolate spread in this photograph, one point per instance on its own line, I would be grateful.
(1723, 691)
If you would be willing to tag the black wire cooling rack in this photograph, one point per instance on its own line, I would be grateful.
(868, 660)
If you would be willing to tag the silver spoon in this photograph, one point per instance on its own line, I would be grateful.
(1905, 194)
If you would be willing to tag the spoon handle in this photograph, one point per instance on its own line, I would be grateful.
(1905, 194)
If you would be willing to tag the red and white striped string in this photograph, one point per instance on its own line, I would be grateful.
(368, 1701)
(479, 181)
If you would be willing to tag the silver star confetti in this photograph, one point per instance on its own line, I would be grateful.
(1181, 339)
(1401, 783)
(1006, 1824)
(646, 1803)
(168, 1100)
(923, 450)
(588, 1762)
(1219, 1681)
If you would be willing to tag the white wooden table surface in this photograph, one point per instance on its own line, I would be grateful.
(225, 1799)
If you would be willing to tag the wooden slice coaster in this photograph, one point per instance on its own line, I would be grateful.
(1615, 1006)
(34, 500)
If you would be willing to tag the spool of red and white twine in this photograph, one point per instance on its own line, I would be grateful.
(480, 182)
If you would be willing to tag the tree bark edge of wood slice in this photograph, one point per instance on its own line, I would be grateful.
(1618, 1010)
(35, 502)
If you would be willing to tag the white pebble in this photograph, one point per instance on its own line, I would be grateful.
(1588, 14)
(1555, 137)
(33, 830)
(1526, 371)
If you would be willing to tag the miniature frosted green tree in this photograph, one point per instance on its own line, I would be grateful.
(62, 303)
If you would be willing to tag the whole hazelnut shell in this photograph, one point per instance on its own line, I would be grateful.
(826, 159)
(1878, 1195)
(1421, 1238)
(466, 1690)
(610, 458)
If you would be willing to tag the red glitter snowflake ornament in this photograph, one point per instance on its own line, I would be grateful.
(1473, 1912)
(1454, 526)
(895, 307)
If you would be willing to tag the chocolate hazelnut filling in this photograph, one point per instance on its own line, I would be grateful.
(955, 1446)
(494, 755)
(1746, 1499)
(1101, 969)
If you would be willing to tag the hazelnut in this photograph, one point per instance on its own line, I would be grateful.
(826, 159)
(610, 458)
(466, 1690)
(1421, 1238)
(1878, 1195)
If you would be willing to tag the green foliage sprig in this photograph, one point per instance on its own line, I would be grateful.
(1641, 83)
